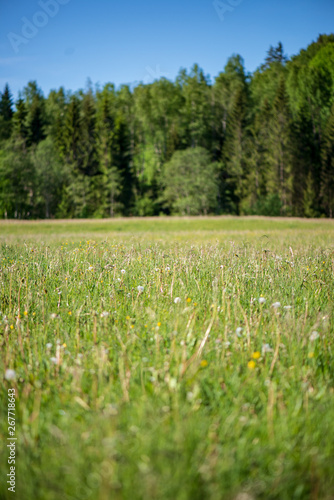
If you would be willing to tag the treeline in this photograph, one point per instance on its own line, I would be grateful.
(260, 143)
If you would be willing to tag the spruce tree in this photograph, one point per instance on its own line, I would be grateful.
(327, 172)
(6, 113)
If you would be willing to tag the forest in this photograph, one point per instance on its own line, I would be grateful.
(258, 143)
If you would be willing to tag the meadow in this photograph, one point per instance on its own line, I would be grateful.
(168, 358)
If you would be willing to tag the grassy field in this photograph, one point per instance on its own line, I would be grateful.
(168, 358)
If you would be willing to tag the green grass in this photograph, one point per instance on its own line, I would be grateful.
(142, 397)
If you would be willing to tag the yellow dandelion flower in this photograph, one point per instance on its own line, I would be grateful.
(34, 314)
(128, 317)
(204, 363)
(310, 355)
(256, 355)
(188, 299)
(251, 364)
(145, 326)
(132, 326)
(25, 313)
(70, 313)
(64, 344)
(11, 327)
(159, 324)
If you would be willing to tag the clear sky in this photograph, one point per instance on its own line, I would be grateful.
(64, 42)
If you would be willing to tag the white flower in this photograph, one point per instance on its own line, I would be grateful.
(287, 307)
(123, 271)
(222, 267)
(167, 268)
(266, 348)
(276, 305)
(227, 344)
(177, 300)
(54, 360)
(238, 331)
(140, 288)
(54, 316)
(314, 336)
(104, 314)
(262, 300)
(10, 374)
(48, 345)
(90, 268)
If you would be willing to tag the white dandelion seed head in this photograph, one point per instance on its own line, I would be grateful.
(167, 268)
(119, 279)
(123, 271)
(10, 374)
(314, 336)
(104, 314)
(262, 300)
(48, 345)
(227, 344)
(276, 305)
(238, 331)
(177, 300)
(266, 348)
(140, 288)
(287, 307)
(54, 360)
(90, 268)
(54, 316)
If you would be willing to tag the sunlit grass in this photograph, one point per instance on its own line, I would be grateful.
(174, 359)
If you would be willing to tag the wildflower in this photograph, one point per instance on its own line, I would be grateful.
(262, 300)
(287, 307)
(10, 374)
(140, 289)
(227, 344)
(177, 300)
(90, 268)
(25, 313)
(204, 363)
(104, 314)
(266, 348)
(310, 355)
(70, 313)
(167, 268)
(64, 345)
(251, 364)
(314, 336)
(188, 300)
(54, 360)
(159, 324)
(54, 316)
(48, 345)
(276, 305)
(123, 271)
(11, 327)
(256, 355)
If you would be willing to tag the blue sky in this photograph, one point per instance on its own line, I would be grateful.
(127, 42)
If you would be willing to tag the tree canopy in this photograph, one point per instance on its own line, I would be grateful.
(258, 143)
